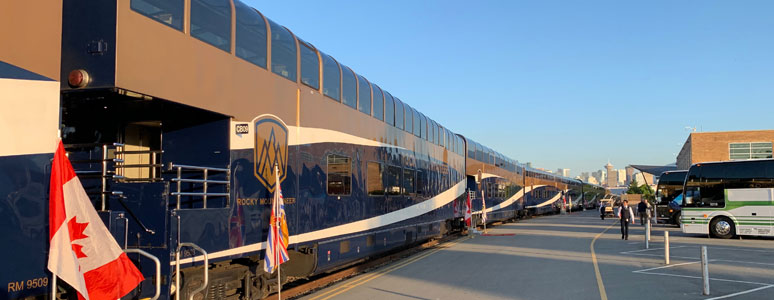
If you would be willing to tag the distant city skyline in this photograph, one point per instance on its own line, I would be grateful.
(559, 84)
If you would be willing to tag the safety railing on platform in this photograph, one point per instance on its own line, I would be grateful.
(177, 270)
(156, 261)
(105, 173)
(204, 182)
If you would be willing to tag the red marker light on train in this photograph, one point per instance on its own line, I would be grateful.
(78, 78)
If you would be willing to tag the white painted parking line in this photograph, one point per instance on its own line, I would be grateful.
(651, 249)
(669, 266)
(739, 249)
(745, 262)
(742, 292)
(699, 277)
(661, 255)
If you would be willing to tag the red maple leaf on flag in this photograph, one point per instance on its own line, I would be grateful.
(76, 233)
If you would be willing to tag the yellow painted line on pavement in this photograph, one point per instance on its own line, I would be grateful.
(600, 285)
(357, 282)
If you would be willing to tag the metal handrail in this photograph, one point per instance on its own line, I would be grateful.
(154, 166)
(105, 160)
(199, 194)
(199, 180)
(158, 269)
(204, 181)
(199, 168)
(177, 270)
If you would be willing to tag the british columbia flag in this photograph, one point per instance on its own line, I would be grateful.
(277, 241)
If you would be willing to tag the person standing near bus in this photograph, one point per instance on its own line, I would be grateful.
(626, 215)
(642, 210)
(602, 210)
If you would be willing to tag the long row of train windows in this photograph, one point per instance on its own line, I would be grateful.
(483, 154)
(381, 179)
(496, 190)
(211, 23)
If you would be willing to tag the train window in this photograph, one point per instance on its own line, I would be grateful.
(451, 142)
(409, 177)
(441, 136)
(392, 180)
(378, 102)
(429, 129)
(339, 175)
(374, 181)
(398, 113)
(472, 150)
(250, 35)
(417, 123)
(437, 133)
(283, 52)
(167, 12)
(448, 140)
(310, 66)
(423, 126)
(422, 183)
(364, 95)
(349, 87)
(211, 22)
(331, 77)
(389, 109)
(409, 118)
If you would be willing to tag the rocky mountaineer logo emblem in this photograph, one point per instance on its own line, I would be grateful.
(271, 147)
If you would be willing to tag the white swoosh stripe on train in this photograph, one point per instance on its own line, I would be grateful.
(512, 199)
(549, 201)
(353, 227)
(488, 175)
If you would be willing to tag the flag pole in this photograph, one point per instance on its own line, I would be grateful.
(276, 237)
(53, 286)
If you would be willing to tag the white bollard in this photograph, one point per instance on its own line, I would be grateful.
(647, 235)
(666, 247)
(705, 271)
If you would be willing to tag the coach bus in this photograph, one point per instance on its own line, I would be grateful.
(669, 196)
(725, 199)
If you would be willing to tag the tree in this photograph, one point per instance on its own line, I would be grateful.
(634, 188)
(644, 190)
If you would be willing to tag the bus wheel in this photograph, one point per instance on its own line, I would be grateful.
(676, 219)
(722, 227)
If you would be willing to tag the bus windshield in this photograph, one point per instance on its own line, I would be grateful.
(670, 186)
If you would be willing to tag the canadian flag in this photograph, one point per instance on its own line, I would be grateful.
(83, 253)
(467, 211)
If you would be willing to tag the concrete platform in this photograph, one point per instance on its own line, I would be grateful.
(551, 258)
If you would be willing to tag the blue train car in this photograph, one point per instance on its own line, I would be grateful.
(175, 113)
(177, 123)
(496, 179)
(29, 119)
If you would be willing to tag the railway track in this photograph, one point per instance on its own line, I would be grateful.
(296, 289)
(300, 288)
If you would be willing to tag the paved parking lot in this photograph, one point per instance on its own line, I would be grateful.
(574, 256)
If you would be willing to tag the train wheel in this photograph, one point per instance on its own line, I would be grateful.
(259, 289)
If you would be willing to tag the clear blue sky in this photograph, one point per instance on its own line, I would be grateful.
(561, 84)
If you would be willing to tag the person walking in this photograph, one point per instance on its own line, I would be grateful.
(626, 215)
(602, 210)
(642, 210)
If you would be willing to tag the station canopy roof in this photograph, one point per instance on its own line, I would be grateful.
(655, 170)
